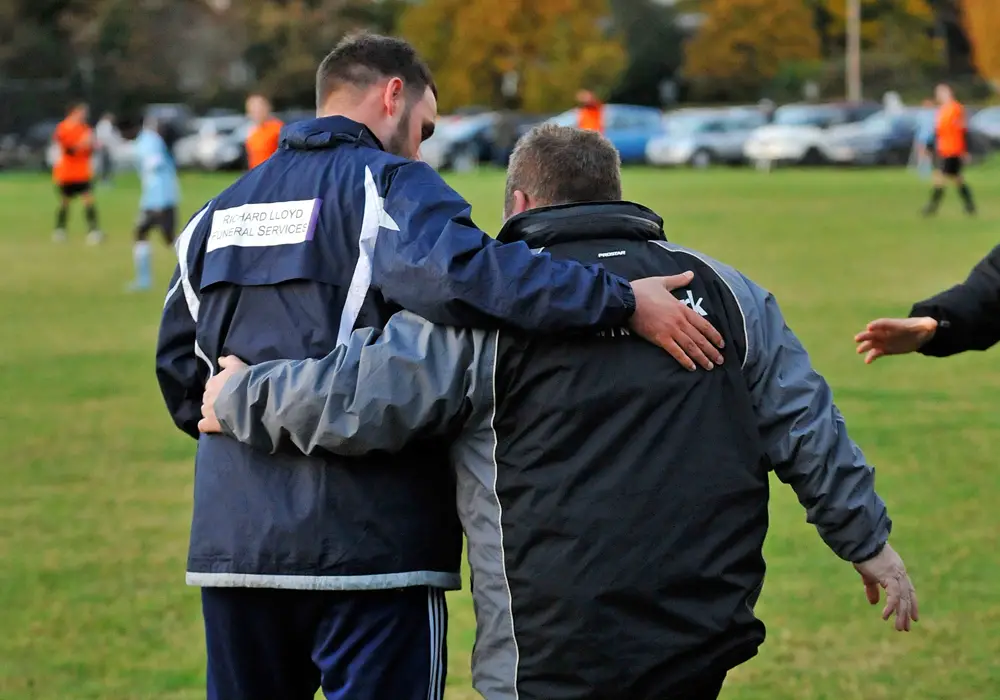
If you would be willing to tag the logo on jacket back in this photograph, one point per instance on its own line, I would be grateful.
(695, 305)
(264, 224)
(611, 254)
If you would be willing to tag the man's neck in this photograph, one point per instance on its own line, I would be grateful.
(350, 106)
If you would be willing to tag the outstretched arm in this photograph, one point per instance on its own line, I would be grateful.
(378, 391)
(965, 317)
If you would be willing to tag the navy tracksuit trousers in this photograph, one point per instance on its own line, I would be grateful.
(275, 644)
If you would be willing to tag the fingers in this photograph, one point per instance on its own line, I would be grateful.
(872, 592)
(677, 281)
(209, 424)
(884, 325)
(707, 332)
(693, 349)
(700, 333)
(874, 355)
(900, 598)
(678, 353)
(891, 599)
(229, 361)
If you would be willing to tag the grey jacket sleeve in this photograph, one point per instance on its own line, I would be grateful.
(805, 436)
(378, 391)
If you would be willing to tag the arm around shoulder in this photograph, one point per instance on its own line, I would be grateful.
(379, 391)
(440, 265)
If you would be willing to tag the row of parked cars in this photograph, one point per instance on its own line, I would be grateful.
(214, 141)
(805, 134)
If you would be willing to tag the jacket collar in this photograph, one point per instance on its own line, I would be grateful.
(327, 132)
(565, 223)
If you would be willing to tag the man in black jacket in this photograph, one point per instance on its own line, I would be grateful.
(965, 317)
(615, 504)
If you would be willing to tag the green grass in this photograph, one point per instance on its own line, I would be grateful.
(95, 483)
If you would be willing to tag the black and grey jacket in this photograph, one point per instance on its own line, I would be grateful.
(968, 314)
(615, 504)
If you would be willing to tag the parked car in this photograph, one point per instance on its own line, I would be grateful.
(460, 142)
(884, 138)
(218, 142)
(798, 132)
(629, 127)
(987, 122)
(702, 137)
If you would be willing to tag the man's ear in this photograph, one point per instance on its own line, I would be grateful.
(521, 203)
(392, 96)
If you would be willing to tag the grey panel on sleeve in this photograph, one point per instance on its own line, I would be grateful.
(378, 391)
(805, 436)
(495, 655)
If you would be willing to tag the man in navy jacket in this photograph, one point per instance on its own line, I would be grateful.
(315, 572)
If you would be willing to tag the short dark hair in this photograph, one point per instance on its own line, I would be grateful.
(562, 164)
(362, 58)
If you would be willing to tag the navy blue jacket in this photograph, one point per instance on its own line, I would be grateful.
(331, 234)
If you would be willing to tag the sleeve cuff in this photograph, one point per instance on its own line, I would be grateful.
(224, 403)
(628, 298)
(874, 553)
(940, 343)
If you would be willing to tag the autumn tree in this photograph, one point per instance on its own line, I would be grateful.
(286, 41)
(553, 48)
(743, 44)
(901, 31)
(982, 22)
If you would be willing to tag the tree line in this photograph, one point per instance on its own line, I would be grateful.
(525, 54)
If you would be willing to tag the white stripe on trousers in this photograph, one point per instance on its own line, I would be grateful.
(437, 615)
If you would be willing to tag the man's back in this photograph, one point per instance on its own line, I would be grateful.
(631, 493)
(269, 269)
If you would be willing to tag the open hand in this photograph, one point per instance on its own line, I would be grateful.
(663, 320)
(894, 336)
(886, 571)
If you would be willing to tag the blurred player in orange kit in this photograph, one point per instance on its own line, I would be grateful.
(73, 173)
(591, 112)
(951, 147)
(263, 139)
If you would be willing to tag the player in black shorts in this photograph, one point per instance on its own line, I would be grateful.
(72, 171)
(158, 205)
(951, 151)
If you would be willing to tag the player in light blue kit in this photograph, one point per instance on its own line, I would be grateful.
(158, 205)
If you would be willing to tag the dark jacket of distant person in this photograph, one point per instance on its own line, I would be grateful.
(329, 234)
(615, 503)
(968, 314)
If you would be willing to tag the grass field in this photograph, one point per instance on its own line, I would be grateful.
(95, 483)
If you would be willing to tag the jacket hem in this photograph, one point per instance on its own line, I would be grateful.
(369, 582)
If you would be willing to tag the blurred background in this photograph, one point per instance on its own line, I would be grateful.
(704, 100)
(502, 66)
